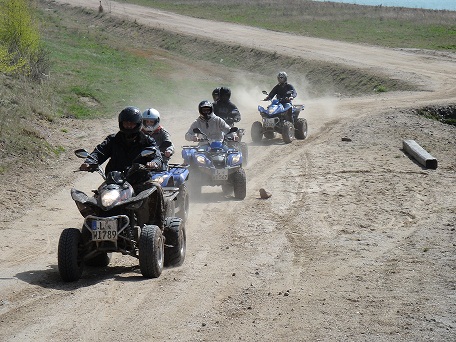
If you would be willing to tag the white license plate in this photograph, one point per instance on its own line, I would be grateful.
(268, 122)
(220, 174)
(103, 230)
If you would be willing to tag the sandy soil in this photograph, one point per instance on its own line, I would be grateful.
(357, 242)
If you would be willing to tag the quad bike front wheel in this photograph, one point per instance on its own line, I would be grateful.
(151, 251)
(288, 132)
(256, 132)
(70, 259)
(301, 129)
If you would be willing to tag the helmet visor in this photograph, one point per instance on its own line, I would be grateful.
(206, 110)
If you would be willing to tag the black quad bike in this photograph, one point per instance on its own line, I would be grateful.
(115, 221)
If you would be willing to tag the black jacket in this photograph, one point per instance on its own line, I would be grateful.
(227, 110)
(281, 91)
(123, 153)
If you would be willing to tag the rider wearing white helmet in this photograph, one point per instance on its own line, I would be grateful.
(152, 127)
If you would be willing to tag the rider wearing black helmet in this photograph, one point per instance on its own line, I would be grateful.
(216, 94)
(226, 109)
(284, 91)
(122, 148)
(211, 125)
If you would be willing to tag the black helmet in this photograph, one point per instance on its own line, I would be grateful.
(216, 94)
(225, 93)
(282, 77)
(205, 109)
(130, 114)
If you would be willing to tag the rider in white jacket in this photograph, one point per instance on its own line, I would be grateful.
(213, 126)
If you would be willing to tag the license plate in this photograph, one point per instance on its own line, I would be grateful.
(103, 230)
(268, 122)
(220, 174)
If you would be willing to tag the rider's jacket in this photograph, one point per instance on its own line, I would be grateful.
(163, 139)
(122, 153)
(215, 128)
(281, 90)
(227, 110)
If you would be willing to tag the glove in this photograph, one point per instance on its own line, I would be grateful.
(88, 167)
(152, 165)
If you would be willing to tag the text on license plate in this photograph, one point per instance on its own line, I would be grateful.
(220, 174)
(269, 122)
(104, 230)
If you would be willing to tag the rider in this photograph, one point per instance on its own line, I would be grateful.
(226, 109)
(216, 94)
(210, 124)
(284, 91)
(122, 148)
(152, 127)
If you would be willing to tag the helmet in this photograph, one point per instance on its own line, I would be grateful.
(282, 77)
(216, 94)
(130, 114)
(153, 115)
(205, 109)
(225, 93)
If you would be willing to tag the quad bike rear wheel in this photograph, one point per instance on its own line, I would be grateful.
(301, 129)
(176, 236)
(256, 132)
(100, 260)
(239, 184)
(245, 152)
(151, 251)
(70, 259)
(288, 132)
(270, 134)
(183, 201)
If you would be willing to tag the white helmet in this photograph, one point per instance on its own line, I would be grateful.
(152, 115)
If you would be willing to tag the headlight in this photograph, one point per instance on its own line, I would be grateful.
(236, 158)
(200, 160)
(271, 110)
(158, 179)
(109, 198)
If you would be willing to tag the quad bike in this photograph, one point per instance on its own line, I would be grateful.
(277, 119)
(115, 221)
(173, 182)
(215, 163)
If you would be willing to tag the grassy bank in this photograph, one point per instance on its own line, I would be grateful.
(386, 26)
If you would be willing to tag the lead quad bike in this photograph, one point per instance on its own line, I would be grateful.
(114, 221)
(214, 163)
(278, 119)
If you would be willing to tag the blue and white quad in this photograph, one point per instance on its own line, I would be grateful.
(214, 163)
(277, 119)
(173, 181)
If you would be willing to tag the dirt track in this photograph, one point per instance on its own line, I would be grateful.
(357, 242)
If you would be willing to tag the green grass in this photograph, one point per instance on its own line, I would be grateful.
(384, 26)
(100, 79)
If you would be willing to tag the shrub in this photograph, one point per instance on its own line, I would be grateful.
(21, 50)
